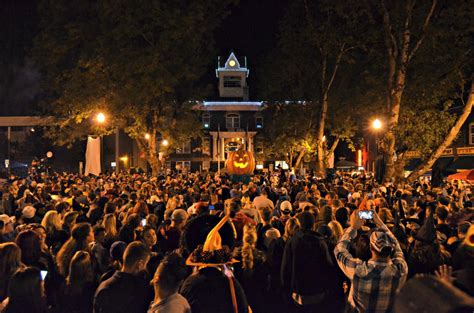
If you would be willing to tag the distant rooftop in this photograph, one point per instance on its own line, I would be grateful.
(230, 106)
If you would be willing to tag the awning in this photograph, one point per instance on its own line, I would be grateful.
(449, 164)
(463, 175)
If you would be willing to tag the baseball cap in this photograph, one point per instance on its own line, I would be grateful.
(285, 206)
(379, 240)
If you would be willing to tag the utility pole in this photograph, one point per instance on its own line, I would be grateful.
(117, 150)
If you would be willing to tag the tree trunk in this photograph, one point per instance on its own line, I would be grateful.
(330, 152)
(425, 166)
(155, 165)
(396, 93)
(398, 55)
(149, 148)
(321, 151)
(300, 157)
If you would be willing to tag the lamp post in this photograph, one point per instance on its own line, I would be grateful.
(376, 126)
(100, 119)
(164, 143)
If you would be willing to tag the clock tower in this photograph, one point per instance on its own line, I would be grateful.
(233, 78)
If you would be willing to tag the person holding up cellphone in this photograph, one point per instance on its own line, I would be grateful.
(385, 270)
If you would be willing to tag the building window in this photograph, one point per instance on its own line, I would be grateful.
(471, 133)
(185, 148)
(233, 121)
(232, 81)
(259, 122)
(206, 120)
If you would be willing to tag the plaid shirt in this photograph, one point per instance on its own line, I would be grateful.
(373, 284)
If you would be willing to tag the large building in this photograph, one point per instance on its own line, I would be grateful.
(229, 122)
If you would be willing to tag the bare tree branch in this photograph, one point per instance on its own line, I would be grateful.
(336, 66)
(424, 30)
(390, 40)
(333, 147)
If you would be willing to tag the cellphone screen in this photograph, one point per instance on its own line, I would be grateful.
(143, 222)
(211, 207)
(366, 214)
(43, 274)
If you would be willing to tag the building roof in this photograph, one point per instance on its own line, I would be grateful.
(230, 106)
(25, 121)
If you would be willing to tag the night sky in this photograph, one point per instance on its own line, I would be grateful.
(249, 30)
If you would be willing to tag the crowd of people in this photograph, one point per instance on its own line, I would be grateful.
(204, 242)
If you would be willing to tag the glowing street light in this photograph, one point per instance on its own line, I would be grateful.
(100, 117)
(376, 124)
(165, 142)
(147, 136)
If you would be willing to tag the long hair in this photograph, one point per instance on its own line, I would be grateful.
(80, 272)
(30, 245)
(26, 292)
(140, 208)
(110, 225)
(336, 229)
(291, 226)
(249, 242)
(51, 222)
(10, 261)
(77, 241)
(10, 258)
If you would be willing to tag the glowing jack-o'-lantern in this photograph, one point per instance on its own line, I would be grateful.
(240, 162)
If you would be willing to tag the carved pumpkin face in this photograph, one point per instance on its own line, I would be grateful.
(241, 159)
(240, 162)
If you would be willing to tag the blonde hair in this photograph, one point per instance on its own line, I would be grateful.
(249, 242)
(110, 225)
(291, 226)
(336, 229)
(51, 221)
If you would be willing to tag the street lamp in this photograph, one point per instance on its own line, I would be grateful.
(377, 126)
(165, 143)
(100, 117)
(147, 136)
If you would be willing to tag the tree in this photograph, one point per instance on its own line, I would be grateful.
(448, 139)
(288, 134)
(425, 44)
(140, 62)
(320, 42)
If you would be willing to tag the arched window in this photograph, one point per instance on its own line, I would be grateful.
(206, 120)
(232, 121)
